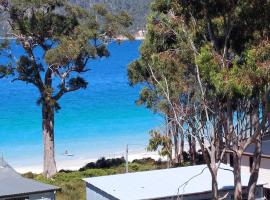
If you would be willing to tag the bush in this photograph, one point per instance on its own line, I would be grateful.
(104, 163)
(144, 161)
(134, 167)
(29, 175)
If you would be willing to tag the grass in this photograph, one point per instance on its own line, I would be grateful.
(73, 187)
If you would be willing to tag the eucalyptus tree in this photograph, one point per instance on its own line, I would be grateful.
(227, 47)
(161, 65)
(167, 65)
(68, 36)
(232, 61)
(231, 50)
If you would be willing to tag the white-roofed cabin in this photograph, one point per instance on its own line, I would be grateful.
(193, 182)
(15, 187)
(247, 160)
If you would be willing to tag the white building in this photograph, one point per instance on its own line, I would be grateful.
(15, 187)
(247, 160)
(193, 182)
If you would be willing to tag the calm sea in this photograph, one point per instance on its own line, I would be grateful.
(91, 123)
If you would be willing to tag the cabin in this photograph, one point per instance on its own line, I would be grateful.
(15, 187)
(192, 182)
(247, 161)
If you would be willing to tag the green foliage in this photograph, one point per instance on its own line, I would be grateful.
(208, 63)
(104, 163)
(68, 35)
(166, 68)
(231, 48)
(160, 142)
(245, 75)
(138, 11)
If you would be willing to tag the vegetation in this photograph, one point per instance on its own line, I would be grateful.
(72, 185)
(205, 66)
(138, 11)
(68, 36)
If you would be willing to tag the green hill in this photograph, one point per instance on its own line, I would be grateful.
(138, 9)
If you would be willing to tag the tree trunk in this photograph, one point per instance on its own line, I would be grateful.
(237, 177)
(49, 164)
(255, 169)
(214, 189)
(176, 148)
(257, 151)
(220, 144)
(182, 141)
(211, 165)
(214, 183)
(192, 149)
(174, 134)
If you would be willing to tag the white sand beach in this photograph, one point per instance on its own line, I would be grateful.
(76, 163)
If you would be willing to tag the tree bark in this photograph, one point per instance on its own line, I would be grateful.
(258, 149)
(192, 149)
(210, 160)
(182, 148)
(237, 177)
(214, 189)
(255, 169)
(175, 136)
(213, 172)
(176, 148)
(49, 164)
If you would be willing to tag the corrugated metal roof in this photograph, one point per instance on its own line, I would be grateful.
(12, 183)
(164, 183)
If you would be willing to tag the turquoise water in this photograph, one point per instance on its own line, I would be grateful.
(91, 123)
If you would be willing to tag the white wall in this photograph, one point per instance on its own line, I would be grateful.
(264, 174)
(43, 196)
(92, 195)
(38, 196)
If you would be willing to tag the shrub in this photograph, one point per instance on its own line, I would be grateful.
(104, 163)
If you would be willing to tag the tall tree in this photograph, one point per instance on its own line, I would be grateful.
(160, 68)
(224, 50)
(68, 37)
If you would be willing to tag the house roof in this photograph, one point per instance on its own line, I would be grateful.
(163, 183)
(13, 184)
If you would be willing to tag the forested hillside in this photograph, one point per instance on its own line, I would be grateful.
(138, 9)
(4, 27)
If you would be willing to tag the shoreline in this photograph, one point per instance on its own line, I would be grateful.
(75, 164)
(121, 38)
(118, 38)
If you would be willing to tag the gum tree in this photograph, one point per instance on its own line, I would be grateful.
(227, 46)
(160, 66)
(68, 37)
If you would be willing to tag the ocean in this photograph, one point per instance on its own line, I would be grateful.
(94, 122)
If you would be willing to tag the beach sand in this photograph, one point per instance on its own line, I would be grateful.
(71, 163)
